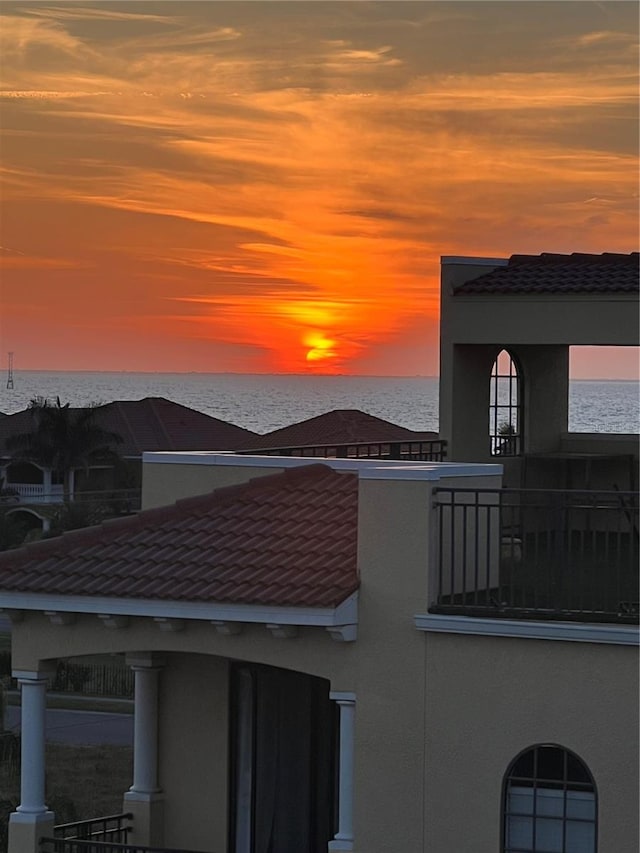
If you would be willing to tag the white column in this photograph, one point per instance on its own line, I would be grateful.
(144, 799)
(47, 488)
(32, 819)
(34, 693)
(145, 729)
(344, 837)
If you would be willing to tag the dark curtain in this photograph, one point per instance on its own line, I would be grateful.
(293, 762)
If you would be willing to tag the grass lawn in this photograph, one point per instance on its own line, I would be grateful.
(82, 782)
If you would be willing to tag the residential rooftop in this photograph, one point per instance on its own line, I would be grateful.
(555, 273)
(288, 539)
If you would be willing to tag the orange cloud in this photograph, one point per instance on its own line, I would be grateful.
(284, 183)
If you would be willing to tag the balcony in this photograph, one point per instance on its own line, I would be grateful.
(33, 493)
(104, 501)
(537, 554)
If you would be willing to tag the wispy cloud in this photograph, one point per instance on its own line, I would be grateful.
(291, 170)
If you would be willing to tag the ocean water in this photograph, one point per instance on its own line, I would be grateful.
(266, 402)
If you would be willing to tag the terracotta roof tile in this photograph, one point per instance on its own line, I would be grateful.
(284, 539)
(340, 426)
(552, 273)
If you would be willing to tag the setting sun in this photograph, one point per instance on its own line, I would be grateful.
(321, 347)
(185, 190)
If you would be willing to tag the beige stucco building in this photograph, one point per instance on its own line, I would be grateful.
(380, 657)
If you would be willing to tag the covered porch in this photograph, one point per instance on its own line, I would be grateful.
(230, 756)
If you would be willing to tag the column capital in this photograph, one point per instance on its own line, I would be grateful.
(343, 697)
(145, 660)
(44, 671)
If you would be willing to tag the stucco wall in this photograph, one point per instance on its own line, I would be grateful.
(489, 698)
(193, 730)
(438, 717)
(164, 484)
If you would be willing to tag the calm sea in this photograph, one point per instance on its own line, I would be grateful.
(266, 402)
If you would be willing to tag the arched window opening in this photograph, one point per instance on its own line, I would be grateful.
(505, 407)
(549, 803)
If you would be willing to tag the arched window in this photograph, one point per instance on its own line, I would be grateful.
(505, 407)
(549, 803)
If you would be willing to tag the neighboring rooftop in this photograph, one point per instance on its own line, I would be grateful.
(153, 423)
(552, 273)
(287, 539)
(341, 426)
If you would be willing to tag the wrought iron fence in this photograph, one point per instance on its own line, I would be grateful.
(537, 554)
(94, 679)
(89, 679)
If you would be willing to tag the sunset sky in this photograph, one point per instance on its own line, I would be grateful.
(269, 186)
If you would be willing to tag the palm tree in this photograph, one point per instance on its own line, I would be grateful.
(63, 440)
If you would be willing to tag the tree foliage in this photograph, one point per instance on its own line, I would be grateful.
(63, 440)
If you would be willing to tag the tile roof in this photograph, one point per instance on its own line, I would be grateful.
(341, 426)
(551, 273)
(153, 423)
(288, 539)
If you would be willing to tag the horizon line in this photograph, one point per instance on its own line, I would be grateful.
(303, 375)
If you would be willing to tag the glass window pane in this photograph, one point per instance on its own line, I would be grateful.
(576, 771)
(581, 837)
(581, 804)
(550, 802)
(520, 800)
(520, 832)
(550, 762)
(524, 765)
(548, 835)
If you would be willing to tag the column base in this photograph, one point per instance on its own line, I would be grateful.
(26, 830)
(147, 826)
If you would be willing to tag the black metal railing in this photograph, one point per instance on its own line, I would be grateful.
(434, 450)
(111, 828)
(77, 845)
(529, 553)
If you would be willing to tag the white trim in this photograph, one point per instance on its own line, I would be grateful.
(282, 632)
(579, 632)
(343, 633)
(345, 613)
(367, 469)
(343, 839)
(227, 629)
(57, 618)
(432, 471)
(467, 260)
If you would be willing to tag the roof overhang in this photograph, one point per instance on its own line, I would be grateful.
(341, 621)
